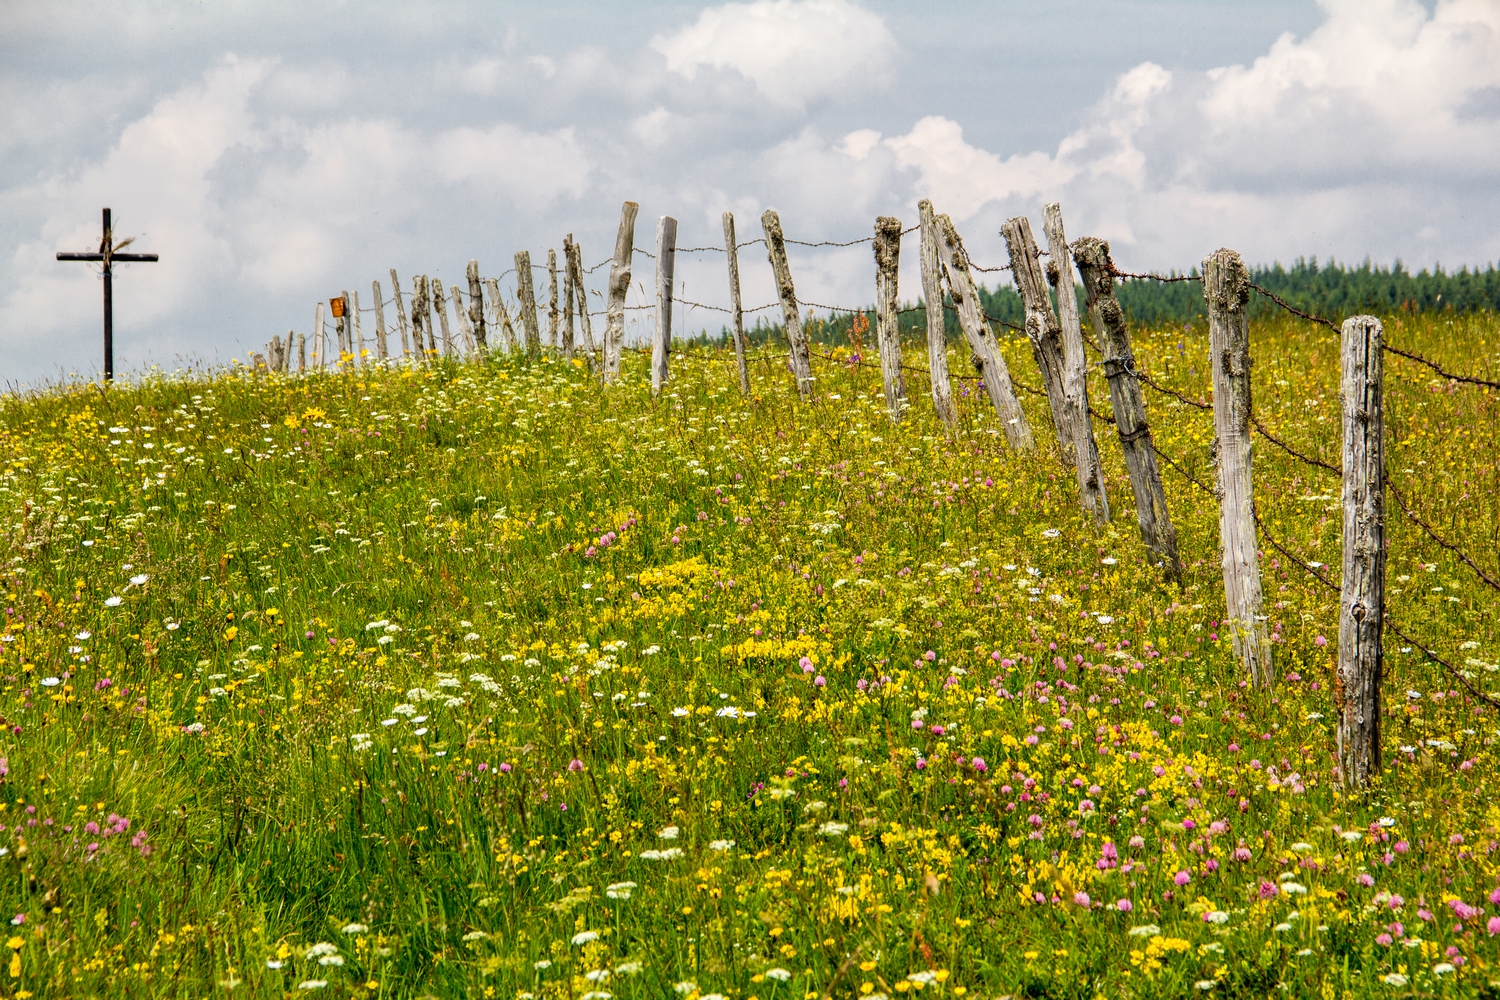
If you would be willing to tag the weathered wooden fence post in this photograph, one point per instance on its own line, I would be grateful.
(400, 313)
(787, 293)
(476, 306)
(568, 295)
(737, 312)
(552, 312)
(273, 353)
(502, 315)
(439, 305)
(461, 314)
(1081, 442)
(581, 298)
(320, 338)
(525, 291)
(619, 285)
(357, 336)
(887, 332)
(301, 352)
(937, 332)
(1362, 604)
(661, 344)
(1098, 272)
(1226, 288)
(994, 372)
(380, 341)
(421, 320)
(1042, 327)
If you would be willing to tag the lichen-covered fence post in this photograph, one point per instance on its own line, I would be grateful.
(786, 293)
(737, 312)
(461, 315)
(380, 338)
(888, 335)
(1226, 288)
(439, 302)
(992, 367)
(476, 307)
(581, 298)
(525, 291)
(569, 293)
(619, 285)
(1081, 443)
(419, 317)
(661, 343)
(1042, 326)
(937, 336)
(1362, 603)
(1098, 273)
(552, 311)
(357, 330)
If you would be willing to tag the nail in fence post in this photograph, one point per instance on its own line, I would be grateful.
(937, 335)
(1362, 604)
(320, 338)
(1075, 370)
(661, 346)
(797, 340)
(581, 298)
(732, 251)
(619, 285)
(552, 313)
(1226, 288)
(526, 293)
(400, 313)
(1097, 271)
(1042, 326)
(380, 341)
(568, 295)
(993, 370)
(476, 306)
(462, 315)
(887, 333)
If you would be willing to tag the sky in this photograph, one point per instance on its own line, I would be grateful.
(277, 154)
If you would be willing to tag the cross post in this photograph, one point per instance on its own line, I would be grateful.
(107, 255)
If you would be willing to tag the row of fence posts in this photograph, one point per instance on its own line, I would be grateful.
(1054, 331)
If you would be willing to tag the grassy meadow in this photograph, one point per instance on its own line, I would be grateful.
(474, 679)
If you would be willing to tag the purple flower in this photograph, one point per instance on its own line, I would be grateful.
(820, 681)
(1366, 879)
(1383, 940)
(1268, 890)
(979, 764)
(504, 767)
(1182, 878)
(1492, 926)
(1124, 905)
(1081, 898)
(806, 665)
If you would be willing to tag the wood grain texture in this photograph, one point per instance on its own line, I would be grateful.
(400, 314)
(552, 310)
(465, 339)
(619, 286)
(887, 320)
(1081, 443)
(1042, 326)
(569, 293)
(786, 293)
(1108, 319)
(476, 306)
(526, 293)
(380, 338)
(581, 301)
(1226, 288)
(320, 338)
(661, 343)
(439, 305)
(737, 312)
(992, 368)
(1362, 600)
(937, 334)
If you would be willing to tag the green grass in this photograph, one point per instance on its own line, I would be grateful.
(385, 712)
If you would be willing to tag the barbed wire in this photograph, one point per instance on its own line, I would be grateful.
(1318, 462)
(1413, 356)
(1434, 657)
(1432, 533)
(1117, 273)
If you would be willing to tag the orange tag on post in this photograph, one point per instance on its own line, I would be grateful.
(338, 306)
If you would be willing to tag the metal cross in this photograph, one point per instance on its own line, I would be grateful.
(107, 255)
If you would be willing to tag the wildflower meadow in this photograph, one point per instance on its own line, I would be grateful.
(478, 679)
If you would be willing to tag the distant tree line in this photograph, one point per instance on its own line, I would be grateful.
(1333, 290)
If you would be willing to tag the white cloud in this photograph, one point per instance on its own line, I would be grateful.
(531, 168)
(793, 50)
(960, 178)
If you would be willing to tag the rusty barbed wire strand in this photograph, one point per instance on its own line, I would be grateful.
(1432, 533)
(1413, 356)
(1292, 451)
(1432, 655)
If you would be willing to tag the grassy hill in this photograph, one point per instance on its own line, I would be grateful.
(476, 679)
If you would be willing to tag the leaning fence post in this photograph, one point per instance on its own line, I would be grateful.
(502, 315)
(887, 333)
(1042, 326)
(619, 285)
(568, 295)
(380, 343)
(552, 312)
(994, 373)
(937, 333)
(1098, 273)
(797, 340)
(439, 302)
(661, 344)
(581, 297)
(400, 312)
(526, 293)
(476, 306)
(1362, 604)
(1075, 370)
(462, 316)
(1226, 288)
(320, 338)
(732, 251)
